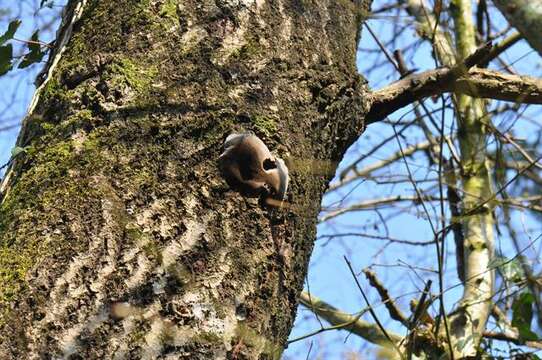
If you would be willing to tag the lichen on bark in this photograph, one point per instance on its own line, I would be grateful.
(118, 236)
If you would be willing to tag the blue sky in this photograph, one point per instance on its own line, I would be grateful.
(404, 269)
(17, 87)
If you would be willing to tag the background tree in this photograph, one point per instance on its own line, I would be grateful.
(404, 166)
(120, 238)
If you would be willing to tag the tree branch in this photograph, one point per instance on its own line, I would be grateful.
(366, 171)
(373, 203)
(352, 323)
(393, 309)
(513, 338)
(419, 86)
(526, 16)
(479, 83)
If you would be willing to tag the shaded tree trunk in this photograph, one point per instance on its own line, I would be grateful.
(119, 238)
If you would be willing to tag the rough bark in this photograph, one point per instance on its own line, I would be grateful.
(119, 238)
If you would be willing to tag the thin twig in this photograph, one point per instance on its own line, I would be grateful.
(33, 42)
(393, 309)
(371, 311)
(371, 204)
(421, 307)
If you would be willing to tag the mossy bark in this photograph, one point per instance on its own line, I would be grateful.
(469, 321)
(119, 238)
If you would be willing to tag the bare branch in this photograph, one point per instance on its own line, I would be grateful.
(500, 48)
(378, 237)
(371, 311)
(513, 338)
(524, 15)
(365, 172)
(428, 28)
(393, 309)
(352, 323)
(479, 83)
(371, 204)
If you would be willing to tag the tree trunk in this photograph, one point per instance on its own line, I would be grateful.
(526, 16)
(468, 322)
(119, 237)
